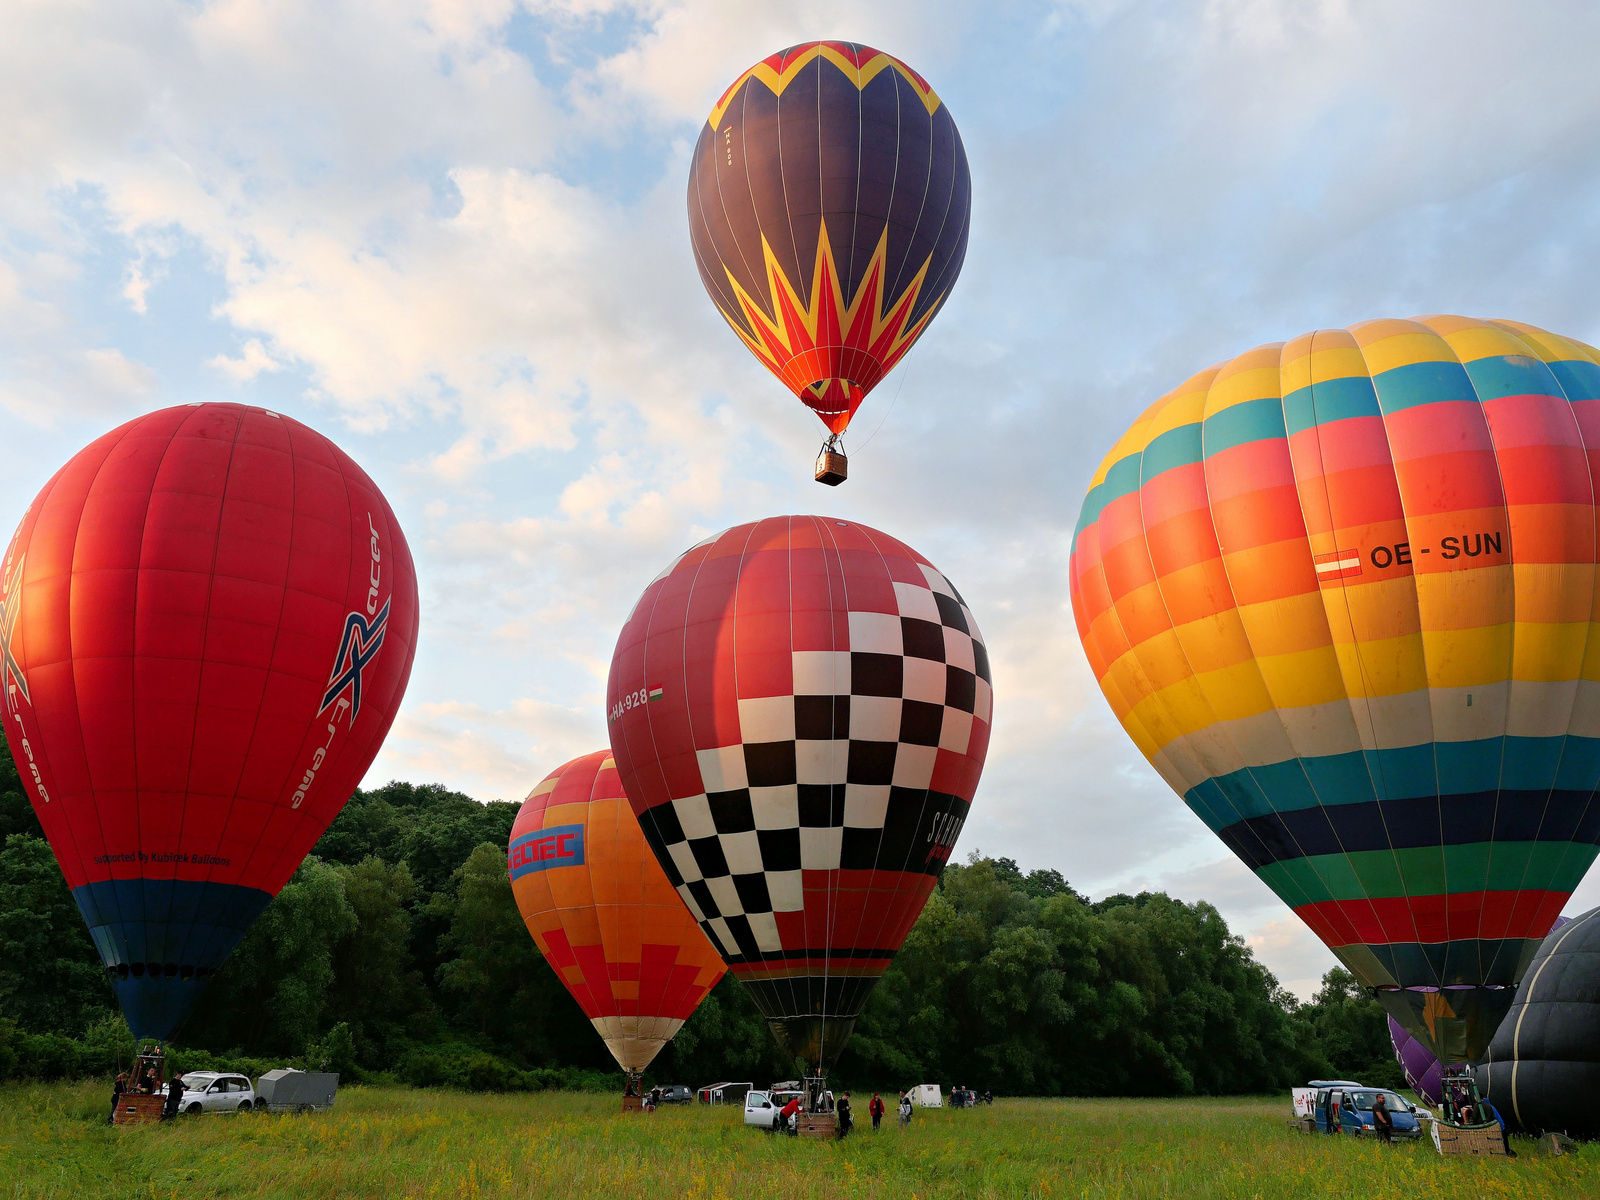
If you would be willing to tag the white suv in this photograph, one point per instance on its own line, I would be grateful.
(216, 1091)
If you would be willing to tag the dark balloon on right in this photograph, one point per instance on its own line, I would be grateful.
(1543, 1070)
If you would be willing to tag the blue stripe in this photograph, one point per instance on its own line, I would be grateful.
(186, 927)
(1422, 383)
(1252, 421)
(1329, 401)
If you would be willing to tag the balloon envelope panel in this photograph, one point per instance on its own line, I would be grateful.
(602, 912)
(800, 712)
(1422, 1069)
(209, 618)
(829, 201)
(1340, 591)
(1543, 1071)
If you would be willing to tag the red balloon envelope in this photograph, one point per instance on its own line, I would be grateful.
(207, 621)
(799, 711)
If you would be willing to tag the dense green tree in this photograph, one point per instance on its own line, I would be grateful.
(376, 990)
(16, 811)
(1351, 1030)
(495, 980)
(274, 988)
(50, 976)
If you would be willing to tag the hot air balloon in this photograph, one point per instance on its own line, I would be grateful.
(209, 617)
(1543, 1072)
(1340, 592)
(604, 915)
(800, 710)
(829, 201)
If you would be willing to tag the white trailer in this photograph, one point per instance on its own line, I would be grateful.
(926, 1095)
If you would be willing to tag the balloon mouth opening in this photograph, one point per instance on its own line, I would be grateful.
(834, 400)
(1448, 987)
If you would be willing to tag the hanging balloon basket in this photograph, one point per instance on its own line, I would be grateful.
(833, 468)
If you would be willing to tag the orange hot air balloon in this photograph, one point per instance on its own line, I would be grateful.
(603, 913)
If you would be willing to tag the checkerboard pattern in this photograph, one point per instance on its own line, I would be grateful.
(800, 710)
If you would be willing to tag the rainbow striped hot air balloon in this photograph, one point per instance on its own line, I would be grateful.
(1341, 593)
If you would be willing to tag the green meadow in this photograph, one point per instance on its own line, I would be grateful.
(395, 1142)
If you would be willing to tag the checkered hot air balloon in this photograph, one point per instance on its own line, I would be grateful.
(207, 622)
(800, 710)
(1341, 592)
(604, 916)
(829, 202)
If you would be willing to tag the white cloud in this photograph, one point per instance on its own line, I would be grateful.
(248, 365)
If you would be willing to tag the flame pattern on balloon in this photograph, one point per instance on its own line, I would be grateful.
(602, 912)
(207, 618)
(829, 203)
(1341, 593)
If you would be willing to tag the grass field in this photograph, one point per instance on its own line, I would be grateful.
(395, 1142)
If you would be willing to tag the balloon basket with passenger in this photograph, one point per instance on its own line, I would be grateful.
(1461, 1127)
(145, 1096)
(833, 468)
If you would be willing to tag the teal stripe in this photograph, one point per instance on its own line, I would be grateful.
(1119, 481)
(1422, 383)
(1511, 375)
(1252, 421)
(1329, 401)
(1580, 378)
(1178, 447)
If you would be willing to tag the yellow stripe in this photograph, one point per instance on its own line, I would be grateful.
(860, 76)
(1467, 657)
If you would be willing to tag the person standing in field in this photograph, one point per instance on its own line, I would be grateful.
(1382, 1122)
(117, 1089)
(847, 1120)
(169, 1110)
(905, 1110)
(875, 1110)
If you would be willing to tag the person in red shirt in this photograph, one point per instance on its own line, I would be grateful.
(787, 1114)
(876, 1109)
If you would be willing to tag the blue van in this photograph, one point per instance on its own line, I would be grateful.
(1353, 1102)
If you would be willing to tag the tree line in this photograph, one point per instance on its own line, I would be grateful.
(396, 954)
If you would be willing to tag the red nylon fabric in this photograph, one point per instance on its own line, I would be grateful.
(178, 601)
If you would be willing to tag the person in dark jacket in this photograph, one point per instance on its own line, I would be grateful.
(174, 1098)
(847, 1119)
(117, 1089)
(875, 1110)
(1382, 1121)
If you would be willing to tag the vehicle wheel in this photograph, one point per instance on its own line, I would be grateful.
(304, 1108)
(246, 1106)
(193, 1108)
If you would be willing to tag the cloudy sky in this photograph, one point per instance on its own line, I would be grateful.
(451, 235)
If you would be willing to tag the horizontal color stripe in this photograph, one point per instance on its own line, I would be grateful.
(1406, 824)
(1328, 401)
(1491, 915)
(1252, 421)
(1483, 866)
